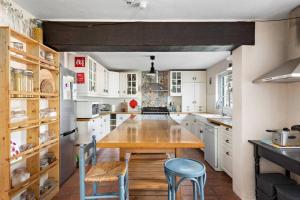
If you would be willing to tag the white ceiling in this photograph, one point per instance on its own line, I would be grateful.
(159, 10)
(163, 60)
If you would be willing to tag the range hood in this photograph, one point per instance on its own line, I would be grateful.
(285, 73)
(155, 86)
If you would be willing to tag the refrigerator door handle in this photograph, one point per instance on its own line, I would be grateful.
(69, 132)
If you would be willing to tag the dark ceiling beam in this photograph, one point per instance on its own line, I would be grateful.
(148, 36)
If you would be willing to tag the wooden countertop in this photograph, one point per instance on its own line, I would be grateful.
(221, 121)
(155, 134)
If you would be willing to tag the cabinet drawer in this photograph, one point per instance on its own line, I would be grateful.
(227, 161)
(227, 130)
(227, 140)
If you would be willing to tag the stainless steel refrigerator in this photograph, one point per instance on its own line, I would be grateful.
(68, 127)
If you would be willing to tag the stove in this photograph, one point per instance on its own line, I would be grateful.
(155, 111)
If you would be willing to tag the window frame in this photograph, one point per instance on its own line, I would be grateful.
(221, 102)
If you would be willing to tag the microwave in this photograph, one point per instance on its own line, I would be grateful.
(87, 109)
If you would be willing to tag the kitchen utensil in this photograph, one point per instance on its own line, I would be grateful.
(47, 83)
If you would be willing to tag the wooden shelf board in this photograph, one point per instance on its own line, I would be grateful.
(22, 37)
(22, 125)
(23, 53)
(25, 128)
(22, 60)
(49, 67)
(24, 98)
(35, 150)
(42, 123)
(44, 47)
(49, 167)
(48, 62)
(50, 194)
(12, 92)
(24, 185)
(48, 95)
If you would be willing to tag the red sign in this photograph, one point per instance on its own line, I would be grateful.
(79, 61)
(80, 78)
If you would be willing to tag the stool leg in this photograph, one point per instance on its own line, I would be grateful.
(195, 190)
(173, 187)
(121, 188)
(201, 187)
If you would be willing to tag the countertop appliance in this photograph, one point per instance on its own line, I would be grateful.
(155, 111)
(68, 127)
(286, 136)
(87, 109)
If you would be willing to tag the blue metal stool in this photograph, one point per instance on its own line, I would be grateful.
(186, 169)
(101, 172)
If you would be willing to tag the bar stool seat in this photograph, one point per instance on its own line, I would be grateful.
(106, 171)
(186, 169)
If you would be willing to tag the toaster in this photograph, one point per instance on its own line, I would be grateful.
(286, 137)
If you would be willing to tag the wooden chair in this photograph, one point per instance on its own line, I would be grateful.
(101, 172)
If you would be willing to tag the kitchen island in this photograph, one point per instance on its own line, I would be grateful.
(150, 140)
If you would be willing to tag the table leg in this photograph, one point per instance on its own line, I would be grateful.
(257, 168)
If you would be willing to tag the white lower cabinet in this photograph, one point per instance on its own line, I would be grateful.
(122, 118)
(178, 117)
(226, 140)
(99, 127)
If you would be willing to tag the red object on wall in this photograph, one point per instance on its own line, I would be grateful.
(133, 103)
(80, 78)
(79, 61)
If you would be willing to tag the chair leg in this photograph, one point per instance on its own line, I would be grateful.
(82, 185)
(94, 188)
(195, 190)
(127, 186)
(121, 188)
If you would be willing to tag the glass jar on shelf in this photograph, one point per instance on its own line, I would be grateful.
(12, 79)
(28, 81)
(18, 81)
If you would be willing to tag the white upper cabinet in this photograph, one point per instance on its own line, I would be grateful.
(194, 76)
(86, 69)
(123, 84)
(114, 81)
(175, 83)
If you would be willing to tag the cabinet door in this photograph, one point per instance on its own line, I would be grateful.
(200, 76)
(132, 84)
(175, 83)
(188, 76)
(188, 97)
(200, 97)
(123, 84)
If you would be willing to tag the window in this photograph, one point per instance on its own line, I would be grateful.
(224, 90)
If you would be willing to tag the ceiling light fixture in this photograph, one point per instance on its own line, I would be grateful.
(152, 71)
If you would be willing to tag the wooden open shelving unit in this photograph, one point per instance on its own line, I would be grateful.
(29, 59)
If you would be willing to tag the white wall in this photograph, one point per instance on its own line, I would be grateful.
(6, 20)
(211, 88)
(257, 107)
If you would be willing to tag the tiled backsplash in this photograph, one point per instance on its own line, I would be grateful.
(154, 98)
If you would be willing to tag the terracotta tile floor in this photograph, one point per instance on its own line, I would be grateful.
(218, 185)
